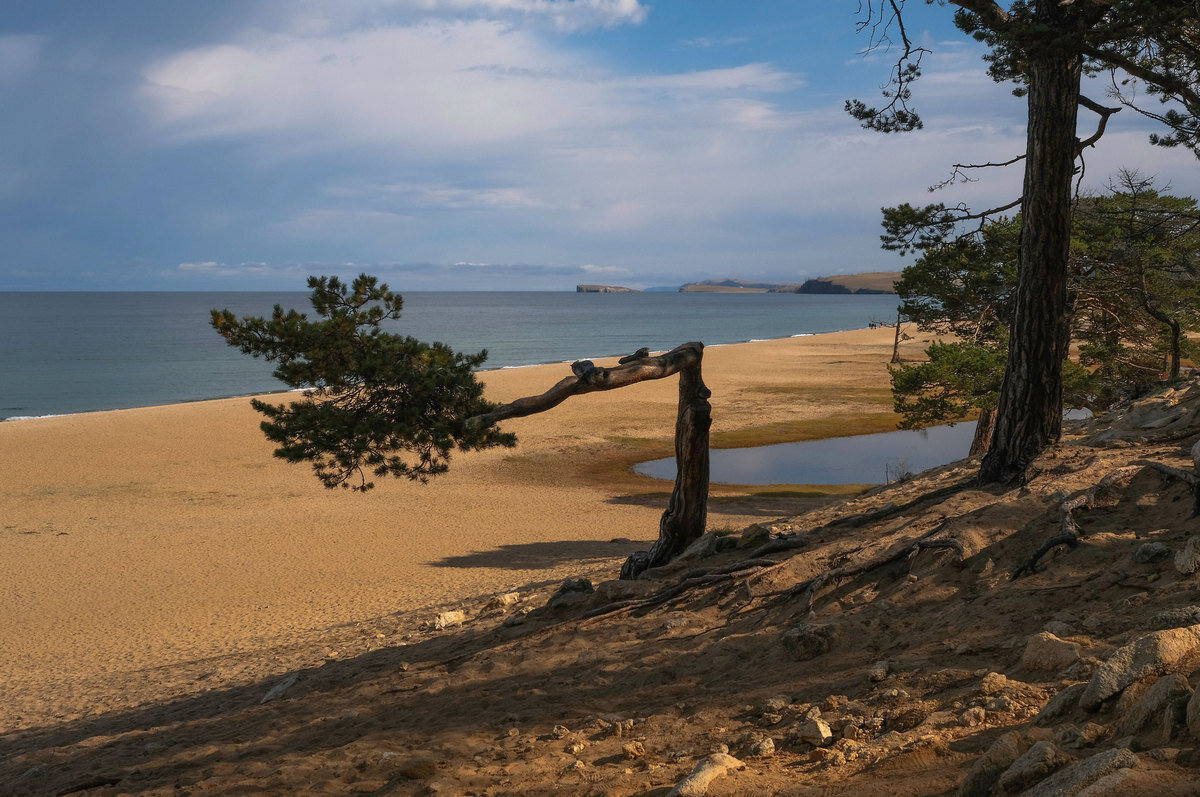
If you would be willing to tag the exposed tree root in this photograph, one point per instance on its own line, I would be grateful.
(1189, 478)
(1069, 530)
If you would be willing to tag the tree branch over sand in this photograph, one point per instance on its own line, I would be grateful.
(372, 399)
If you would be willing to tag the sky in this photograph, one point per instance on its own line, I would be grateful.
(482, 144)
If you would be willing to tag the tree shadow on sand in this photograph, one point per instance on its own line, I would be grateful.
(538, 555)
(765, 503)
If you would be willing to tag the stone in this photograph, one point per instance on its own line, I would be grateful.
(1034, 764)
(572, 592)
(764, 748)
(1193, 713)
(973, 716)
(627, 589)
(276, 691)
(1074, 779)
(502, 601)
(993, 683)
(1187, 560)
(982, 777)
(709, 769)
(1046, 652)
(1176, 617)
(575, 748)
(754, 536)
(1151, 552)
(815, 732)
(776, 703)
(1151, 654)
(1058, 628)
(1168, 690)
(560, 731)
(704, 546)
(448, 619)
(1060, 705)
(878, 672)
(808, 640)
(633, 750)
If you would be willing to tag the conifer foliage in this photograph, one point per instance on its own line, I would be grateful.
(374, 401)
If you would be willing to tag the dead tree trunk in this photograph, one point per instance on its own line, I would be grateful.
(687, 510)
(896, 341)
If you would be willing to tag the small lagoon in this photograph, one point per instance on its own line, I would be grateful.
(861, 459)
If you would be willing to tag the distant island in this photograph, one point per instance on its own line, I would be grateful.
(604, 289)
(878, 282)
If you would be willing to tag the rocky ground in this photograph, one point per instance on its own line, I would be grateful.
(880, 644)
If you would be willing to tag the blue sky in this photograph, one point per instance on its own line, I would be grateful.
(479, 144)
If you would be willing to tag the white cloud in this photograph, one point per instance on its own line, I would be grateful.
(19, 56)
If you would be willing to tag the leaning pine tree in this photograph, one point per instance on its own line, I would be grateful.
(377, 403)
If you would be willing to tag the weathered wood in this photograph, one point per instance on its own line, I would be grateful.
(659, 367)
(687, 510)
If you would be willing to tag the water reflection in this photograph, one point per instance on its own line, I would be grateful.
(862, 459)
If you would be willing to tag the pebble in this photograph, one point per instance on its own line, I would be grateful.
(763, 749)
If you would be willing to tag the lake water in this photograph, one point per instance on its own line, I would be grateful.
(79, 352)
(861, 459)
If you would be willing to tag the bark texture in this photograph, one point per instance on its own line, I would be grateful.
(1029, 412)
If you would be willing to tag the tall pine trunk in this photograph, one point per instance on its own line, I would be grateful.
(1029, 413)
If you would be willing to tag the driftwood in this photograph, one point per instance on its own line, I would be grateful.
(686, 514)
(1070, 533)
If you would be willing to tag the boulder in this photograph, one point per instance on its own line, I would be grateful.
(448, 619)
(1151, 552)
(1176, 617)
(1046, 652)
(999, 757)
(808, 640)
(710, 768)
(1060, 705)
(1077, 777)
(1193, 712)
(1167, 694)
(1032, 766)
(1155, 653)
(815, 732)
(1187, 560)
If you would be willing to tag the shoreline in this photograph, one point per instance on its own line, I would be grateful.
(283, 391)
(151, 537)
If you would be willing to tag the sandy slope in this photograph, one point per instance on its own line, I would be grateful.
(142, 538)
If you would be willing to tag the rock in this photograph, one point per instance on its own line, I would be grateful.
(763, 749)
(448, 619)
(1193, 711)
(972, 717)
(704, 546)
(571, 592)
(633, 750)
(815, 732)
(1046, 652)
(416, 768)
(1162, 696)
(709, 769)
(501, 601)
(754, 536)
(627, 589)
(776, 703)
(1152, 654)
(1187, 560)
(575, 748)
(1151, 552)
(1077, 777)
(1176, 618)
(879, 671)
(852, 732)
(1060, 704)
(1058, 628)
(993, 683)
(278, 689)
(1034, 764)
(808, 640)
(560, 731)
(998, 758)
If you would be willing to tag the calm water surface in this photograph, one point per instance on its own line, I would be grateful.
(861, 459)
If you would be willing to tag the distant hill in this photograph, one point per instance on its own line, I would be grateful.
(866, 282)
(604, 289)
(728, 286)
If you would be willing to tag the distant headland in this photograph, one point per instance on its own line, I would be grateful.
(867, 282)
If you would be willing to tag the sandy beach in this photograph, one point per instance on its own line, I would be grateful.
(140, 539)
